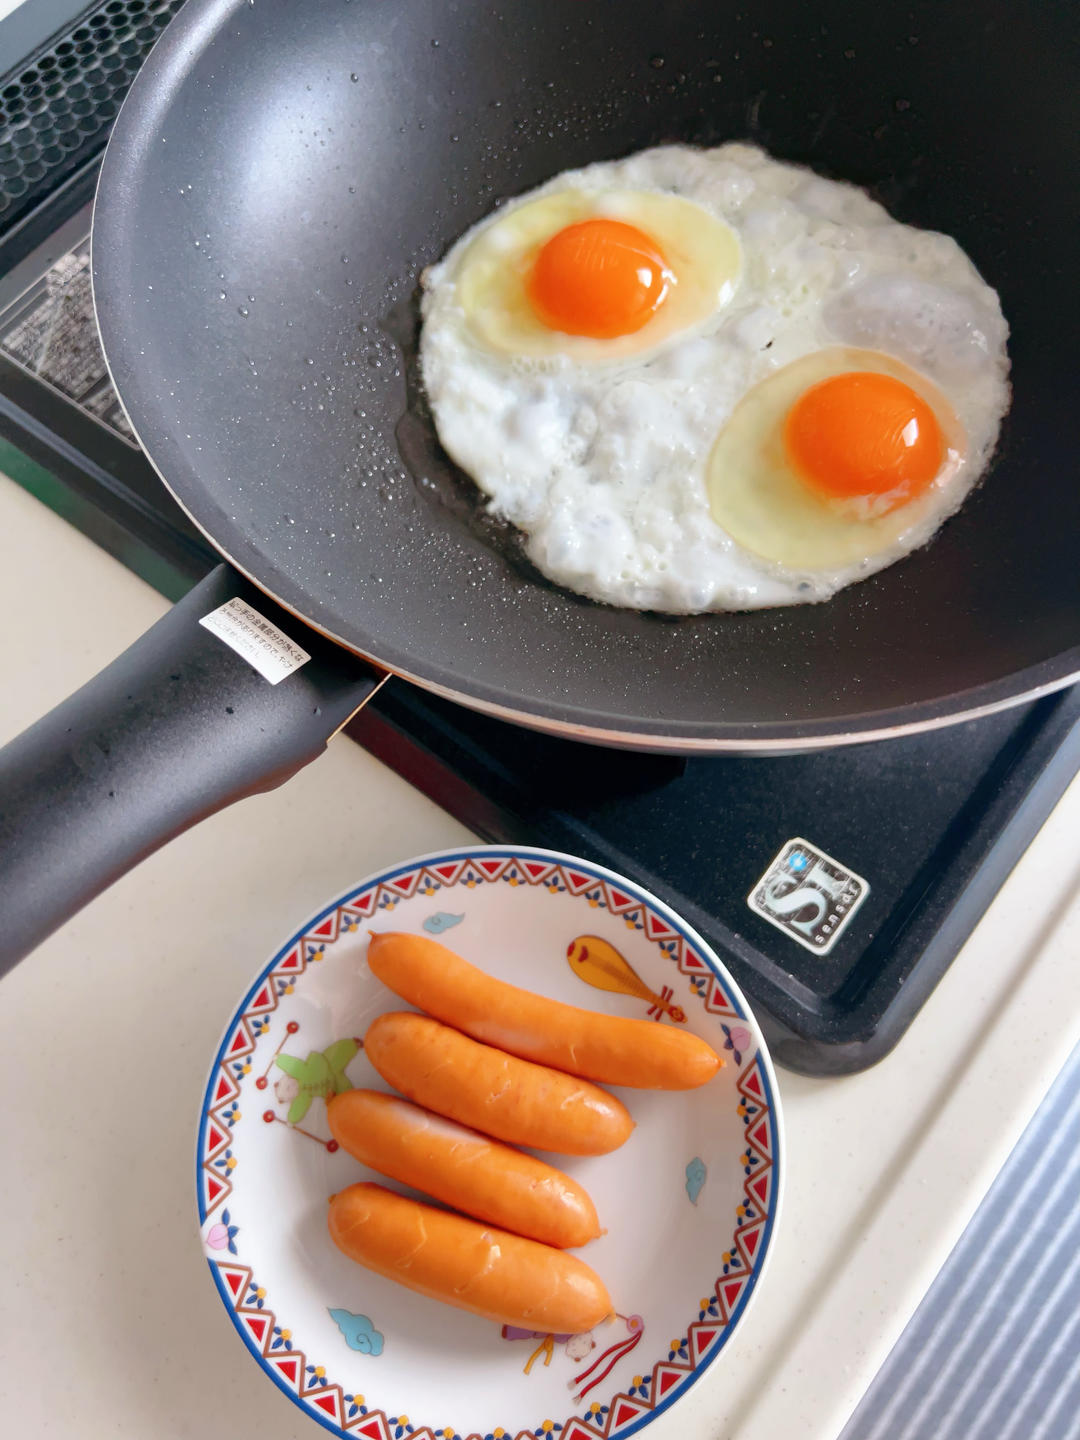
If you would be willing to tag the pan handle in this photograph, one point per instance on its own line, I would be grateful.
(177, 727)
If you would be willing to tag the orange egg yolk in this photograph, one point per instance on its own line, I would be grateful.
(864, 434)
(600, 278)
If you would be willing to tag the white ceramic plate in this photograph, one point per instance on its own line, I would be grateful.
(689, 1202)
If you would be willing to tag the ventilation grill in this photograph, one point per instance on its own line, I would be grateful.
(57, 107)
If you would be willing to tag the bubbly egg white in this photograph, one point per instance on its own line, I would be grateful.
(603, 466)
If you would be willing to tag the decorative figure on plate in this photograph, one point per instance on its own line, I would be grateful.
(577, 1347)
(635, 1328)
(600, 965)
(320, 1076)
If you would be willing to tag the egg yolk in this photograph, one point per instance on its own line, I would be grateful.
(600, 278)
(864, 434)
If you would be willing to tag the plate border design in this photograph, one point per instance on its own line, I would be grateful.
(246, 1303)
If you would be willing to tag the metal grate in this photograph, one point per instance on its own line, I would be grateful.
(56, 108)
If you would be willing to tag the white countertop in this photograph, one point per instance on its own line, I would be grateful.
(110, 1326)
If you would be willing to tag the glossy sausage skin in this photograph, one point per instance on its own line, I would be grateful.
(488, 1090)
(478, 1176)
(608, 1048)
(475, 1267)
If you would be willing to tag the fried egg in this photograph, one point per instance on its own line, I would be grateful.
(708, 380)
(833, 459)
(596, 277)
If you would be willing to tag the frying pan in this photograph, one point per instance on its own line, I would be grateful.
(275, 182)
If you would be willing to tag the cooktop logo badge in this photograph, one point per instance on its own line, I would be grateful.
(808, 895)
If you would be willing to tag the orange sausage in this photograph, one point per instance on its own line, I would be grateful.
(503, 1277)
(493, 1092)
(487, 1180)
(608, 1048)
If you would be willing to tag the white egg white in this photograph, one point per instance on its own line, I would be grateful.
(603, 465)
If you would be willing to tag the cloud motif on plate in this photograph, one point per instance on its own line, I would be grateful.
(360, 1334)
(696, 1175)
(440, 921)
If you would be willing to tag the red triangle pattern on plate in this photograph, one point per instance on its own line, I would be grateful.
(747, 1241)
(758, 1136)
(216, 1184)
(373, 1427)
(241, 1043)
(729, 1292)
(216, 1190)
(760, 1187)
(617, 901)
(701, 1337)
(666, 1377)
(259, 1323)
(750, 1084)
(328, 1401)
(704, 1337)
(691, 963)
(215, 1139)
(536, 870)
(235, 1277)
(623, 1410)
(289, 1365)
(404, 885)
(451, 873)
(575, 1430)
(265, 1000)
(718, 1002)
(578, 1429)
(658, 929)
(259, 1326)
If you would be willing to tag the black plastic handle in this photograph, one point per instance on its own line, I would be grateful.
(177, 727)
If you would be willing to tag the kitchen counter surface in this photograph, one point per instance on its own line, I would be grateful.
(109, 1322)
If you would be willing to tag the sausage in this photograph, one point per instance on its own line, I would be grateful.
(493, 1092)
(608, 1048)
(486, 1180)
(476, 1267)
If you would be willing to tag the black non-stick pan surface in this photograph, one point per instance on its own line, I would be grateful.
(281, 173)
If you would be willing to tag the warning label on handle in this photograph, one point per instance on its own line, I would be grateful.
(266, 648)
